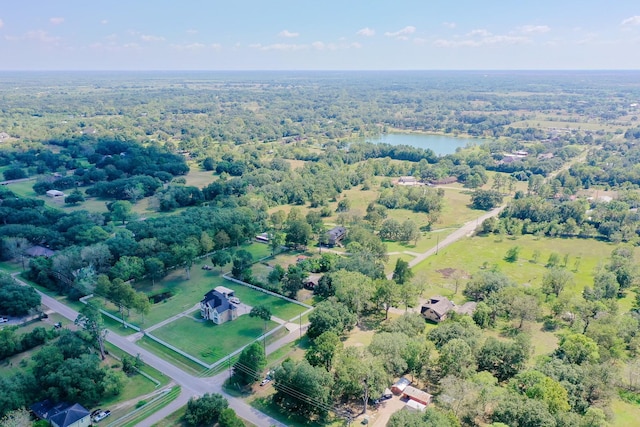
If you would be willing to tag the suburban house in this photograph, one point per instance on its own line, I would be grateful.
(215, 305)
(416, 398)
(437, 309)
(312, 281)
(400, 385)
(38, 250)
(62, 414)
(335, 235)
(55, 193)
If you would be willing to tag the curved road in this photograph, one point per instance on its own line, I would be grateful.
(191, 385)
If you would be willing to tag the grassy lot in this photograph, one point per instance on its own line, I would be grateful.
(264, 405)
(199, 178)
(170, 356)
(210, 342)
(471, 254)
(258, 250)
(280, 307)
(625, 414)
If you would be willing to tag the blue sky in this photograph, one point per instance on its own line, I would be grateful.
(319, 35)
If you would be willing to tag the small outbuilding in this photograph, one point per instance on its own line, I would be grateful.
(55, 194)
(417, 395)
(400, 385)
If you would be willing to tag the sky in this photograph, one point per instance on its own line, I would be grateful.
(319, 34)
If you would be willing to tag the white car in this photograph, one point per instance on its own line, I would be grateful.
(101, 416)
(234, 300)
(3, 320)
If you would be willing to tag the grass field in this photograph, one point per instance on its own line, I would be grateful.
(471, 254)
(280, 307)
(210, 342)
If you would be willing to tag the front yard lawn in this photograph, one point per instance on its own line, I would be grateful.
(210, 342)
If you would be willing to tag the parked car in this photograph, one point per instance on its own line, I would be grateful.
(96, 412)
(3, 320)
(101, 416)
(234, 300)
(265, 381)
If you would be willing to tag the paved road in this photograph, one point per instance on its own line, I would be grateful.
(191, 385)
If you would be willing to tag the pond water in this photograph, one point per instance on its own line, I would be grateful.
(440, 144)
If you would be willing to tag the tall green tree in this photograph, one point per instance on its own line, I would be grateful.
(205, 410)
(323, 350)
(402, 273)
(90, 319)
(248, 369)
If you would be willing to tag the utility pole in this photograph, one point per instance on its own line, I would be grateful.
(437, 243)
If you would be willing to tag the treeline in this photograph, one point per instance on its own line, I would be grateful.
(614, 220)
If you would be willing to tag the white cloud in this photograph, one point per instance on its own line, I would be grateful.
(150, 38)
(288, 34)
(450, 25)
(479, 33)
(488, 40)
(56, 20)
(336, 46)
(215, 46)
(104, 22)
(190, 46)
(1, 23)
(279, 46)
(192, 31)
(401, 34)
(534, 29)
(631, 22)
(317, 45)
(366, 32)
(41, 36)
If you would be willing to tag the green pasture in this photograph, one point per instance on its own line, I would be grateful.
(487, 252)
(210, 342)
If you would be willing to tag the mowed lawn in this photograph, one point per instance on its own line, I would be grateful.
(280, 307)
(210, 342)
(487, 252)
(186, 294)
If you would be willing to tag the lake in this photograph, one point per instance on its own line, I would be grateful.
(440, 144)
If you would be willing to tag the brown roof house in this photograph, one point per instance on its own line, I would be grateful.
(215, 306)
(437, 309)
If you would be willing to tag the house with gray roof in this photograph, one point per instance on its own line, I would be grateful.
(62, 414)
(217, 307)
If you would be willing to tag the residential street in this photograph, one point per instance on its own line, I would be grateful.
(196, 386)
(191, 385)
